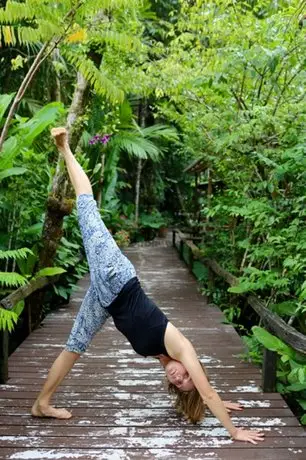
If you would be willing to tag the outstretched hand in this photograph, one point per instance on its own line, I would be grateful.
(229, 406)
(60, 136)
(248, 436)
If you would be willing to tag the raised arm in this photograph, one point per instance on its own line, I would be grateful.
(180, 349)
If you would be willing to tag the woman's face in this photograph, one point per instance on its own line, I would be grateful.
(176, 373)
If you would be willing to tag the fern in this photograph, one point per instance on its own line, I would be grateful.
(16, 11)
(12, 279)
(21, 253)
(136, 146)
(46, 20)
(120, 40)
(95, 7)
(7, 319)
(95, 77)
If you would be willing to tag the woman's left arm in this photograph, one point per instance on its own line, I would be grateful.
(182, 350)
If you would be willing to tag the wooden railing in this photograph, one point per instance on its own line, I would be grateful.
(8, 303)
(190, 253)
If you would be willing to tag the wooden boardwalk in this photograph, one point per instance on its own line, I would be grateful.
(120, 407)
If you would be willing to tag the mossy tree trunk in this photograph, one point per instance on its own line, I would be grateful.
(142, 122)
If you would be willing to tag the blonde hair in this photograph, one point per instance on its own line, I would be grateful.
(188, 403)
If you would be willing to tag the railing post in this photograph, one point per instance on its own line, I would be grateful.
(269, 371)
(173, 237)
(181, 249)
(4, 356)
(190, 259)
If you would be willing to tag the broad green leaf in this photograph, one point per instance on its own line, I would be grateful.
(302, 403)
(18, 308)
(240, 288)
(9, 151)
(286, 308)
(271, 342)
(5, 100)
(35, 229)
(12, 172)
(297, 387)
(41, 120)
(49, 271)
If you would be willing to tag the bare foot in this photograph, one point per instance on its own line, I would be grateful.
(49, 411)
(60, 136)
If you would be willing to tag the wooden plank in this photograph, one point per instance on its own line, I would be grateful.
(171, 420)
(4, 345)
(107, 402)
(150, 442)
(87, 432)
(152, 412)
(150, 454)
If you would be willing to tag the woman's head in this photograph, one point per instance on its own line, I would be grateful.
(188, 401)
(177, 375)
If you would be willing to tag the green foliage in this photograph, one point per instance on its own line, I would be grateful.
(271, 342)
(153, 220)
(16, 254)
(49, 271)
(12, 279)
(122, 238)
(5, 100)
(7, 320)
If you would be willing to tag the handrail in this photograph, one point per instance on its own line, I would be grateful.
(24, 291)
(282, 330)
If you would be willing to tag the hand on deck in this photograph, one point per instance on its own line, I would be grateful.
(229, 406)
(248, 435)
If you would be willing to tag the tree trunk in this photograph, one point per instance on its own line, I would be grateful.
(58, 205)
(101, 180)
(137, 191)
(142, 122)
(209, 191)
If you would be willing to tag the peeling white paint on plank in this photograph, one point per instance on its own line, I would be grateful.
(252, 403)
(52, 454)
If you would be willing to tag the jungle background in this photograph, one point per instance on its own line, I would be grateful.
(146, 89)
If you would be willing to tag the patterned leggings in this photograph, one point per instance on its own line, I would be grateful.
(109, 270)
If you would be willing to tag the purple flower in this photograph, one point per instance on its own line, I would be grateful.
(99, 138)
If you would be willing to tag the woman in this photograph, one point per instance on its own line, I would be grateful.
(116, 291)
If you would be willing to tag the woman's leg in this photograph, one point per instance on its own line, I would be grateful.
(110, 270)
(60, 368)
(90, 319)
(91, 316)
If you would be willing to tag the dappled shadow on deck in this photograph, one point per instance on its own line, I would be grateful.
(120, 407)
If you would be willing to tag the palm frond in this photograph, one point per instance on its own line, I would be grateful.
(16, 11)
(117, 39)
(96, 7)
(101, 84)
(125, 114)
(7, 320)
(21, 253)
(160, 132)
(12, 279)
(137, 146)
